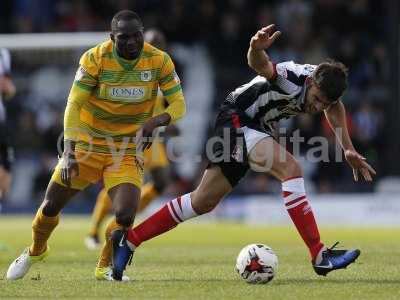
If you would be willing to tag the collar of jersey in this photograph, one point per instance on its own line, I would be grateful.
(128, 65)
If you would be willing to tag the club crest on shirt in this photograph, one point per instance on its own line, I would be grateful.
(145, 75)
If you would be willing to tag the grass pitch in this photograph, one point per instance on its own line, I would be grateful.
(196, 261)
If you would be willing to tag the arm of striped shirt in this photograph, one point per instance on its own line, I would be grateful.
(170, 86)
(290, 76)
(84, 83)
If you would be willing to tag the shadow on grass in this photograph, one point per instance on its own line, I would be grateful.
(294, 281)
(290, 281)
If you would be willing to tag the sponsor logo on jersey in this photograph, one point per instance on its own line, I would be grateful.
(145, 75)
(126, 92)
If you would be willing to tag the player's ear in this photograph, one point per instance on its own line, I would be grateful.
(112, 37)
(309, 81)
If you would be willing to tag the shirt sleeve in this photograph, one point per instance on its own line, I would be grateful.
(170, 86)
(84, 83)
(88, 72)
(290, 76)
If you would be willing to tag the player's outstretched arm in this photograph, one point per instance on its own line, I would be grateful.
(336, 116)
(257, 58)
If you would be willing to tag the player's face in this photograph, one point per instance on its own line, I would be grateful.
(315, 102)
(128, 39)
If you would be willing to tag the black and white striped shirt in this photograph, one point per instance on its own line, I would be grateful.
(260, 103)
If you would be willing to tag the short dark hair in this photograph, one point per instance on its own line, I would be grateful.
(124, 15)
(331, 79)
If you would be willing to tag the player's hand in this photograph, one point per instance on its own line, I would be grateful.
(264, 38)
(172, 131)
(69, 168)
(359, 165)
(144, 136)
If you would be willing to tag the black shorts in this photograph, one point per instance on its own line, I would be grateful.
(233, 137)
(226, 147)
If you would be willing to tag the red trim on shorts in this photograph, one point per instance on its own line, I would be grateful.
(290, 178)
(236, 121)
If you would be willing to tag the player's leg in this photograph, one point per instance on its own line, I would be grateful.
(268, 156)
(44, 223)
(47, 217)
(101, 210)
(122, 182)
(125, 198)
(211, 190)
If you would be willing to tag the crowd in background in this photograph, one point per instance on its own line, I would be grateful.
(353, 32)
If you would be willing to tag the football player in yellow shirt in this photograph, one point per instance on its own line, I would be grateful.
(155, 162)
(107, 123)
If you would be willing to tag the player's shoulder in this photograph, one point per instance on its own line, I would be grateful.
(158, 56)
(97, 53)
(289, 68)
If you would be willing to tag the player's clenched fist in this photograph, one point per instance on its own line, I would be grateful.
(264, 38)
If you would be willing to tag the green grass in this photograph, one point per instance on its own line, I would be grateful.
(196, 261)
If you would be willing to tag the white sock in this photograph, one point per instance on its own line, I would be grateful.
(181, 208)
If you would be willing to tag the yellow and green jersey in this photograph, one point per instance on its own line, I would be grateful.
(115, 96)
(160, 105)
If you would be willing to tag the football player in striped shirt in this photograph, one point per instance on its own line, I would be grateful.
(107, 119)
(247, 117)
(155, 162)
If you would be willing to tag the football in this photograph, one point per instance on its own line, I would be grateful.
(257, 263)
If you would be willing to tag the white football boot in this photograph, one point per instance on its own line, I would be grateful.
(22, 264)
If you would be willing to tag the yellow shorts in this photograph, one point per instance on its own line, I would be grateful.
(155, 156)
(96, 166)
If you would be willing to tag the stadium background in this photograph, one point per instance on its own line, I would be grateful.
(208, 40)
